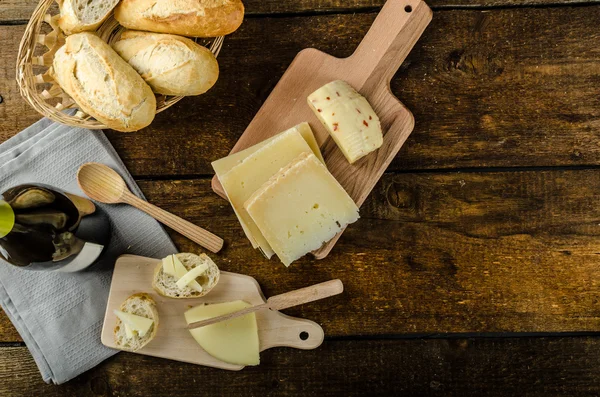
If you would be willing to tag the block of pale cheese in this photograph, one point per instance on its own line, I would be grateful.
(300, 208)
(234, 341)
(225, 164)
(349, 119)
(246, 177)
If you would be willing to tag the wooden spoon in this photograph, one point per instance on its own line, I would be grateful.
(103, 184)
(283, 301)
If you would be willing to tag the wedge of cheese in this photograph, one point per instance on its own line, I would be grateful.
(349, 119)
(234, 341)
(224, 165)
(253, 171)
(300, 208)
(133, 322)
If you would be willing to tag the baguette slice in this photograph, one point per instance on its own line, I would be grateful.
(196, 18)
(102, 83)
(83, 15)
(165, 284)
(140, 304)
(170, 64)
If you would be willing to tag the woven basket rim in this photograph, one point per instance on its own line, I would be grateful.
(29, 82)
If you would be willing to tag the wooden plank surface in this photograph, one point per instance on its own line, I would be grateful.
(21, 10)
(500, 88)
(434, 253)
(436, 367)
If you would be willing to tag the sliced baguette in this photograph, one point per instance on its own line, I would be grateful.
(140, 304)
(83, 15)
(165, 284)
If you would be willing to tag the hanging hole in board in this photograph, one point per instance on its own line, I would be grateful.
(408, 9)
(303, 335)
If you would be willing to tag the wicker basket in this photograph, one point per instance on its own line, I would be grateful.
(40, 42)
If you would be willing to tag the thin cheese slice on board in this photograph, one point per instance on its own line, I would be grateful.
(224, 165)
(249, 175)
(349, 119)
(300, 208)
(134, 322)
(234, 341)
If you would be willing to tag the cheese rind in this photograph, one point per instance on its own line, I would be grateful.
(349, 119)
(133, 322)
(224, 165)
(234, 341)
(300, 208)
(249, 175)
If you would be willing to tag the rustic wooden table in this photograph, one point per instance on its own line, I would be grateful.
(475, 267)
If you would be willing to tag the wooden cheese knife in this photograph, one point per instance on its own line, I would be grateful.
(283, 301)
(369, 70)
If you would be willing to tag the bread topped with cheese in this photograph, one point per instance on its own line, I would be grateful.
(137, 322)
(185, 275)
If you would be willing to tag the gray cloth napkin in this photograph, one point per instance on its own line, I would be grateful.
(59, 315)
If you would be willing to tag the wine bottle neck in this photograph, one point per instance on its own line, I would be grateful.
(7, 218)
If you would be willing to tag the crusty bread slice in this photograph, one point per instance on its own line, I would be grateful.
(195, 18)
(140, 304)
(102, 83)
(83, 15)
(165, 285)
(171, 65)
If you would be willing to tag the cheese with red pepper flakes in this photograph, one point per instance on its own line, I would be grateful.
(349, 119)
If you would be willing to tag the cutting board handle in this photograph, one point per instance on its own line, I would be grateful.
(388, 42)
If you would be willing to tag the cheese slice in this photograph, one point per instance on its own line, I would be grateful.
(349, 119)
(133, 322)
(243, 179)
(224, 165)
(300, 208)
(168, 265)
(128, 331)
(191, 276)
(181, 271)
(234, 341)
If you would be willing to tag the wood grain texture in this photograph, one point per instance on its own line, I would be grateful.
(21, 10)
(436, 367)
(434, 253)
(134, 274)
(500, 88)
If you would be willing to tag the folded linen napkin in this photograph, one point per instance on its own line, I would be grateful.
(59, 315)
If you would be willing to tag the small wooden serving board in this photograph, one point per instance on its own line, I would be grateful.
(133, 274)
(369, 70)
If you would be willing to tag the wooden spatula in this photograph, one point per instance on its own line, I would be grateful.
(283, 301)
(369, 70)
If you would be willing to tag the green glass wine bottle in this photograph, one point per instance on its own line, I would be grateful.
(43, 228)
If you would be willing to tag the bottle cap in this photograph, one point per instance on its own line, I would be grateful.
(7, 218)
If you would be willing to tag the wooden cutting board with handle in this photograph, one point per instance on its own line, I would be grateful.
(369, 70)
(173, 340)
